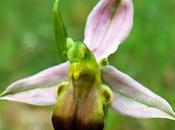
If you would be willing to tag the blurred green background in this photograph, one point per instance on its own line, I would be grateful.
(27, 46)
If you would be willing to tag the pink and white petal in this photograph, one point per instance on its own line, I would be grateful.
(36, 84)
(130, 107)
(108, 25)
(129, 88)
(37, 97)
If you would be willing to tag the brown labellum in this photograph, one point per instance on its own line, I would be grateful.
(80, 107)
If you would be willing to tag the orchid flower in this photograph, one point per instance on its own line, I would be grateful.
(84, 87)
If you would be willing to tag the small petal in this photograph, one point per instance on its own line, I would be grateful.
(37, 85)
(60, 31)
(108, 25)
(128, 106)
(131, 89)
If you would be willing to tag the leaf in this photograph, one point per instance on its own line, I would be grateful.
(60, 31)
(134, 99)
(38, 89)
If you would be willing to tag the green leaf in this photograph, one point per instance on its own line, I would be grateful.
(60, 32)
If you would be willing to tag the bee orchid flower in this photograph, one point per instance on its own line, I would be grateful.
(82, 88)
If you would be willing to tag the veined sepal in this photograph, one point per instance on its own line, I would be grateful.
(108, 25)
(39, 89)
(133, 99)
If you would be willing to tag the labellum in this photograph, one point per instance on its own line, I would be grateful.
(82, 101)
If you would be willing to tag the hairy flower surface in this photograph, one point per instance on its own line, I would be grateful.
(84, 87)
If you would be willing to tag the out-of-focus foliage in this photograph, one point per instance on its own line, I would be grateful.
(27, 45)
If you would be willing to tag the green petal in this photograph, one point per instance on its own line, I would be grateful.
(60, 32)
